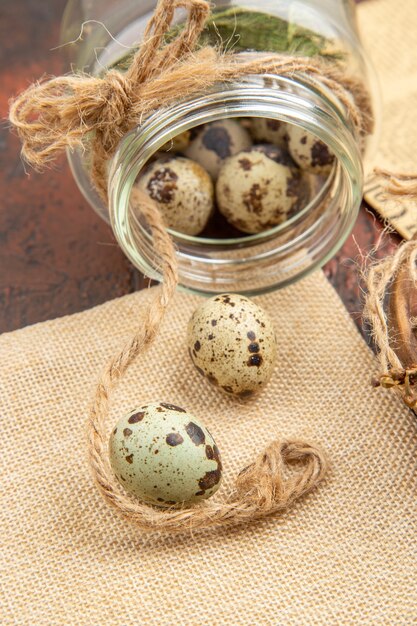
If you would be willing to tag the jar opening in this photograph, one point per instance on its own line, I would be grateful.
(254, 262)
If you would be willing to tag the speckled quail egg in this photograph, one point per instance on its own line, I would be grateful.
(254, 192)
(301, 187)
(232, 343)
(270, 131)
(309, 152)
(163, 455)
(214, 142)
(182, 190)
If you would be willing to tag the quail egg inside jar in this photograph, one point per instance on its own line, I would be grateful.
(232, 178)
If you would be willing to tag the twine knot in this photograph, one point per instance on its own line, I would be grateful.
(69, 111)
(271, 482)
(118, 96)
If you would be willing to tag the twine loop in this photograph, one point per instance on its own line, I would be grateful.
(264, 482)
(267, 487)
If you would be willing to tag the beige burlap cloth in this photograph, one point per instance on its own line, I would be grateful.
(347, 554)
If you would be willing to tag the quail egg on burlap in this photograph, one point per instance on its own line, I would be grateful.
(268, 130)
(216, 141)
(309, 152)
(254, 192)
(163, 455)
(231, 341)
(182, 190)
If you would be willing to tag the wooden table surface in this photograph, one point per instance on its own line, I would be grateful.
(56, 255)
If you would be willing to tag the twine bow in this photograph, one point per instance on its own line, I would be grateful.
(66, 111)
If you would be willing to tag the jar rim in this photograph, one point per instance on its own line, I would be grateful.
(297, 100)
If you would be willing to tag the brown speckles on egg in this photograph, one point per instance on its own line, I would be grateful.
(217, 139)
(174, 439)
(129, 458)
(299, 188)
(214, 142)
(209, 480)
(320, 155)
(136, 417)
(182, 190)
(253, 198)
(162, 184)
(217, 457)
(224, 358)
(172, 407)
(127, 432)
(258, 198)
(309, 152)
(197, 346)
(255, 360)
(245, 164)
(195, 433)
(268, 130)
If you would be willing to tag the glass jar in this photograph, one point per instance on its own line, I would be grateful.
(103, 33)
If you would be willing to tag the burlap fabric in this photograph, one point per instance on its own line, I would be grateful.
(344, 555)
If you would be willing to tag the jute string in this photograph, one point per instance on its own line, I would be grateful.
(391, 292)
(71, 111)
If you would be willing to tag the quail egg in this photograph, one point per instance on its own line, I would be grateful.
(231, 342)
(309, 152)
(182, 190)
(163, 455)
(268, 130)
(254, 192)
(216, 141)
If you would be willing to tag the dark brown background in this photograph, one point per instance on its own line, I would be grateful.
(56, 255)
